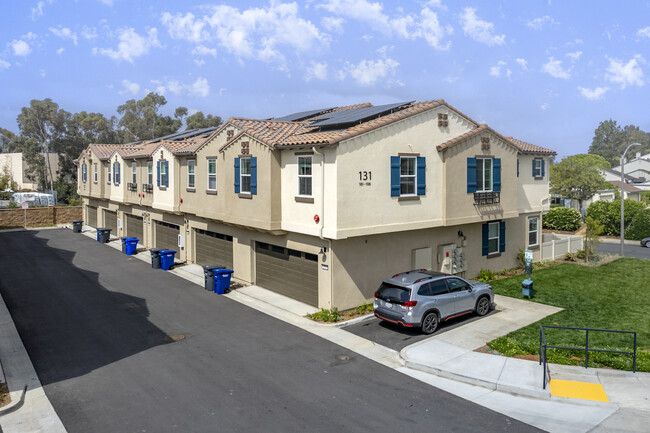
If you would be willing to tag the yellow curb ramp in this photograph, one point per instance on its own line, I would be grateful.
(581, 390)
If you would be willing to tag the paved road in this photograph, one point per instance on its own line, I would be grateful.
(104, 333)
(630, 250)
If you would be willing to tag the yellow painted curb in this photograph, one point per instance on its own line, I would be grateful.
(582, 390)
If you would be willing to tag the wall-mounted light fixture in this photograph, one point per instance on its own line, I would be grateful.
(323, 250)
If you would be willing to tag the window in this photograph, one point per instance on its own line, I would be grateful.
(191, 166)
(150, 172)
(407, 178)
(533, 232)
(134, 172)
(245, 175)
(84, 172)
(483, 175)
(116, 173)
(304, 175)
(456, 285)
(433, 288)
(108, 173)
(212, 174)
(95, 173)
(494, 237)
(163, 174)
(538, 168)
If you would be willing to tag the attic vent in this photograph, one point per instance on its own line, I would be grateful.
(485, 143)
(230, 133)
(442, 120)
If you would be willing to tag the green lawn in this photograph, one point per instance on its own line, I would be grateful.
(611, 296)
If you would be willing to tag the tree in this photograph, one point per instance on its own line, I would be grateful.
(7, 141)
(141, 121)
(610, 140)
(578, 176)
(199, 120)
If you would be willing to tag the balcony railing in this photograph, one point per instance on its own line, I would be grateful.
(132, 186)
(147, 187)
(492, 197)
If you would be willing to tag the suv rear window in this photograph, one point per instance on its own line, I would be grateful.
(391, 292)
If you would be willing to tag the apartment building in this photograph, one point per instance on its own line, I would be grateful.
(323, 205)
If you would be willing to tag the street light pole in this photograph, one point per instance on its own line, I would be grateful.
(623, 197)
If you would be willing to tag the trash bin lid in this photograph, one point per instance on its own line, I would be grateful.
(156, 250)
(211, 267)
(527, 282)
(223, 271)
(167, 252)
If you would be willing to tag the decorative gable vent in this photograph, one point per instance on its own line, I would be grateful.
(485, 143)
(442, 119)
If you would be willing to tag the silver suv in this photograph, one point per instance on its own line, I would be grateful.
(424, 299)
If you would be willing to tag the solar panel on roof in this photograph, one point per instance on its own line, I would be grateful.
(184, 134)
(294, 117)
(347, 117)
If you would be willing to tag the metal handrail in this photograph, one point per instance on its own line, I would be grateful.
(543, 345)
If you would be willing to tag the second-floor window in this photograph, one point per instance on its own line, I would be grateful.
(483, 174)
(212, 174)
(108, 173)
(407, 176)
(95, 173)
(191, 176)
(134, 172)
(116, 173)
(84, 172)
(245, 175)
(150, 172)
(538, 168)
(163, 174)
(304, 175)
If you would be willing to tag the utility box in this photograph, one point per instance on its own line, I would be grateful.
(458, 261)
(446, 257)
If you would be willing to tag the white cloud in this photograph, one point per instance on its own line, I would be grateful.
(199, 62)
(64, 33)
(479, 30)
(523, 63)
(202, 50)
(199, 88)
(38, 10)
(60, 51)
(186, 27)
(368, 72)
(88, 32)
(574, 56)
(545, 106)
(107, 2)
(539, 23)
(4, 64)
(21, 48)
(130, 87)
(495, 70)
(643, 33)
(131, 45)
(628, 74)
(316, 70)
(332, 24)
(593, 94)
(554, 69)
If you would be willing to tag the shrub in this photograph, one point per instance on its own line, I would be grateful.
(362, 309)
(639, 228)
(486, 275)
(609, 214)
(562, 218)
(12, 205)
(326, 315)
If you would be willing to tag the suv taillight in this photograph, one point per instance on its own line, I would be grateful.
(376, 295)
(409, 303)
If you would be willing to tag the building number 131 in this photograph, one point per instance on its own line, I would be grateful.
(365, 175)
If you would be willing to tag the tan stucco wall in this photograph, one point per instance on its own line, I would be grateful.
(533, 193)
(165, 198)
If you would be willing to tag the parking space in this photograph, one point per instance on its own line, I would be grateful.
(397, 337)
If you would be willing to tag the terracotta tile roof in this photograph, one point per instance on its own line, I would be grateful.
(530, 148)
(628, 187)
(104, 151)
(462, 137)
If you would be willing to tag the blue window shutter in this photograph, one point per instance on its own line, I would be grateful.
(496, 174)
(485, 239)
(394, 176)
(421, 175)
(517, 167)
(253, 175)
(119, 173)
(166, 173)
(114, 172)
(158, 173)
(502, 236)
(471, 175)
(533, 168)
(236, 175)
(543, 174)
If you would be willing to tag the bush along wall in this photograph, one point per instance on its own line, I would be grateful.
(562, 218)
(609, 214)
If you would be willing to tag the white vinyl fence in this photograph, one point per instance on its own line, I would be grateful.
(556, 245)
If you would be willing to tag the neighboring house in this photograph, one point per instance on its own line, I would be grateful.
(322, 205)
(638, 167)
(15, 166)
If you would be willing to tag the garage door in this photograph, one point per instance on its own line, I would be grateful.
(134, 227)
(92, 216)
(167, 235)
(110, 221)
(213, 248)
(288, 272)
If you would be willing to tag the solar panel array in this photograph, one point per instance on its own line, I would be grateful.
(185, 134)
(295, 117)
(357, 115)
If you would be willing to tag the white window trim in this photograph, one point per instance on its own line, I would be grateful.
(414, 176)
(483, 179)
(538, 168)
(150, 172)
(498, 237)
(193, 174)
(310, 176)
(535, 231)
(95, 173)
(134, 172)
(242, 175)
(109, 177)
(212, 174)
(163, 174)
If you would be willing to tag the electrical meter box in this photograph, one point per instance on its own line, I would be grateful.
(446, 257)
(458, 264)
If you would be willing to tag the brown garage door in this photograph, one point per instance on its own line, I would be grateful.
(134, 227)
(110, 221)
(213, 248)
(167, 235)
(288, 272)
(92, 216)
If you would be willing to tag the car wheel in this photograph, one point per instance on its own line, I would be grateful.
(647, 244)
(430, 323)
(482, 306)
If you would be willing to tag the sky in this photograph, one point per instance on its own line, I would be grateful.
(546, 72)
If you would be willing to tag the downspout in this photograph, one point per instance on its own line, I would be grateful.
(322, 211)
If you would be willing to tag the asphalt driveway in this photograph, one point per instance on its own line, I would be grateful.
(120, 347)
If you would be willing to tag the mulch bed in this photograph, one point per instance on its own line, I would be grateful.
(5, 398)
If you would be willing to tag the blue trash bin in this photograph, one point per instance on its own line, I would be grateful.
(208, 274)
(527, 288)
(130, 245)
(167, 259)
(222, 280)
